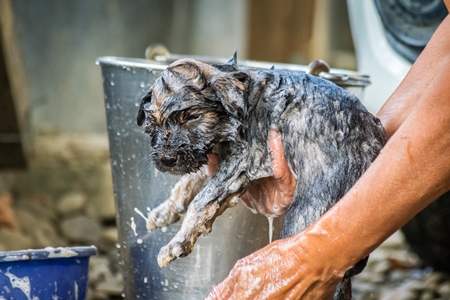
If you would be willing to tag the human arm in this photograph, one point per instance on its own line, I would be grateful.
(412, 170)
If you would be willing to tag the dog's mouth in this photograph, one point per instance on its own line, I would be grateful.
(184, 163)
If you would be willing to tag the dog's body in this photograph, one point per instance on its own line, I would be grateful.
(194, 109)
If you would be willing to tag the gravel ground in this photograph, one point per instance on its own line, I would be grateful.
(395, 273)
(392, 273)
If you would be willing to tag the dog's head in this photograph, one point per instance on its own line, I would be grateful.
(192, 107)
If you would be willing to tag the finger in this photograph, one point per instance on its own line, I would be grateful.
(223, 290)
(213, 164)
(245, 199)
(279, 164)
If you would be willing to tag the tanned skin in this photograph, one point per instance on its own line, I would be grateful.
(410, 173)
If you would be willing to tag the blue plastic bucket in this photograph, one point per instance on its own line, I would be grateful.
(41, 274)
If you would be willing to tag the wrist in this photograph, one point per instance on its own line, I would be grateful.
(326, 258)
(327, 245)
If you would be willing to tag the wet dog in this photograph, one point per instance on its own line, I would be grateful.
(196, 109)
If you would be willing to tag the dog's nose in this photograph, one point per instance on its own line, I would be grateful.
(169, 161)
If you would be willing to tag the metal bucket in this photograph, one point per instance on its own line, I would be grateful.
(137, 187)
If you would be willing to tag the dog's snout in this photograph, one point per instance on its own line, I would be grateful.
(169, 161)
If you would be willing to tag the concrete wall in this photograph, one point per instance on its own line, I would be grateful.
(60, 41)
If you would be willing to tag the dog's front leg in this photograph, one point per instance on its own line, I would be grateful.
(180, 197)
(221, 191)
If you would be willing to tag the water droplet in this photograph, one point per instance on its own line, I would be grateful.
(112, 83)
(142, 84)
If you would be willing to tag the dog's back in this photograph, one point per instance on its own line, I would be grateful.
(328, 136)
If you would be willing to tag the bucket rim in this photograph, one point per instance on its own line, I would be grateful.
(47, 253)
(131, 62)
(344, 78)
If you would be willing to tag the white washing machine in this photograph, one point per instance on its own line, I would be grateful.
(388, 36)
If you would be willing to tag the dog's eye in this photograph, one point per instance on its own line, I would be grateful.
(194, 117)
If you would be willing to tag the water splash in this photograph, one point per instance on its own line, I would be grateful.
(136, 210)
(22, 284)
(76, 290)
(133, 226)
(270, 219)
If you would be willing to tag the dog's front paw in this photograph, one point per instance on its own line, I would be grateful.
(181, 195)
(182, 244)
(198, 221)
(162, 216)
(174, 250)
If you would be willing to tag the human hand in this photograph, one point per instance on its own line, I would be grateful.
(300, 267)
(271, 196)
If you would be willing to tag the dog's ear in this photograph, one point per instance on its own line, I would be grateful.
(231, 89)
(232, 61)
(141, 113)
(186, 73)
(230, 65)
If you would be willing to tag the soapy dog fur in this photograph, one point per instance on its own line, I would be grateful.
(195, 109)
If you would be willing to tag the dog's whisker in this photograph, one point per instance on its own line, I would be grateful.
(140, 161)
(145, 171)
